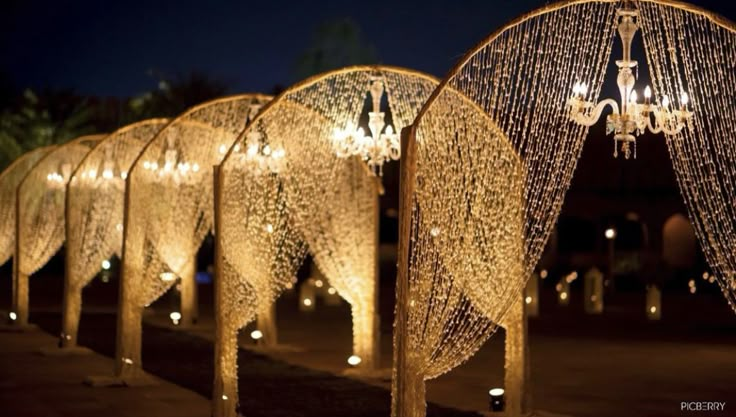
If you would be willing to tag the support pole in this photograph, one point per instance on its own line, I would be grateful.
(189, 307)
(516, 366)
(225, 387)
(405, 393)
(20, 280)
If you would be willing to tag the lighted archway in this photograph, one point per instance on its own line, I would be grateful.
(168, 213)
(526, 74)
(94, 214)
(284, 190)
(9, 181)
(40, 215)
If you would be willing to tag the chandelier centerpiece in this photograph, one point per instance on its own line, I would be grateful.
(259, 157)
(631, 118)
(172, 167)
(106, 174)
(381, 146)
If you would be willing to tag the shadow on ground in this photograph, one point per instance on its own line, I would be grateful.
(267, 387)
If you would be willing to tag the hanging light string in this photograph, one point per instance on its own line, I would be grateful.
(515, 87)
(170, 204)
(308, 198)
(42, 196)
(9, 181)
(694, 51)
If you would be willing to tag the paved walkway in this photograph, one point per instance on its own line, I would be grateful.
(32, 385)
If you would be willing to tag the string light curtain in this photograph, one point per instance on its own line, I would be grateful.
(515, 85)
(95, 205)
(169, 211)
(692, 50)
(40, 217)
(284, 189)
(9, 181)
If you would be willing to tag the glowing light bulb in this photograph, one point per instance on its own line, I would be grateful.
(124, 175)
(269, 228)
(167, 276)
(528, 300)
(354, 360)
(223, 149)
(563, 296)
(633, 96)
(107, 174)
(684, 99)
(665, 102)
(175, 316)
(224, 397)
(307, 302)
(256, 334)
(435, 231)
(610, 233)
(146, 165)
(106, 265)
(652, 309)
(318, 283)
(496, 392)
(331, 291)
(195, 167)
(583, 89)
(543, 274)
(647, 93)
(13, 316)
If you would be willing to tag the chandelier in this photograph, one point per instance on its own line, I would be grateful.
(57, 180)
(106, 174)
(631, 118)
(380, 147)
(171, 166)
(259, 157)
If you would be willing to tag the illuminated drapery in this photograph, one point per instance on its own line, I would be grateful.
(284, 188)
(40, 216)
(168, 212)
(9, 181)
(96, 197)
(517, 80)
(691, 50)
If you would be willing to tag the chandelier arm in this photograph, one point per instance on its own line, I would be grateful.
(588, 121)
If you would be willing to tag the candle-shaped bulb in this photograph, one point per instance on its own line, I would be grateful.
(684, 99)
(632, 96)
(576, 89)
(647, 93)
(665, 102)
(583, 89)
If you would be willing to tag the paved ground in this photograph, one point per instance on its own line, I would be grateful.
(32, 385)
(616, 365)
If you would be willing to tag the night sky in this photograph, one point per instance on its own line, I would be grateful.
(108, 48)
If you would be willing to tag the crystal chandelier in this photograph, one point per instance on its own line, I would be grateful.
(632, 118)
(171, 167)
(259, 157)
(107, 174)
(376, 149)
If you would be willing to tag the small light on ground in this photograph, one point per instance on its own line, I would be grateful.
(354, 360)
(175, 316)
(256, 334)
(653, 309)
(610, 233)
(106, 265)
(318, 283)
(563, 295)
(497, 402)
(224, 397)
(13, 316)
(528, 300)
(307, 302)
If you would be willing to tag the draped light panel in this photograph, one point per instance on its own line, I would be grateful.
(521, 77)
(95, 205)
(689, 49)
(503, 108)
(40, 217)
(284, 190)
(169, 211)
(9, 181)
